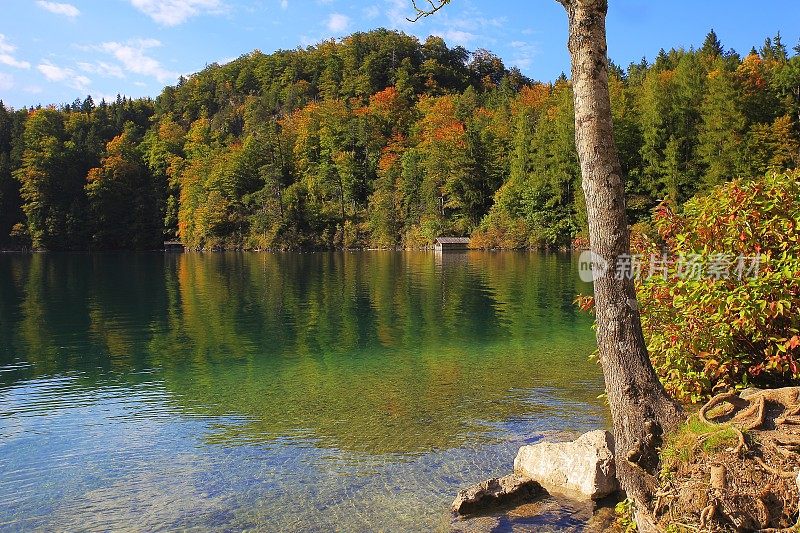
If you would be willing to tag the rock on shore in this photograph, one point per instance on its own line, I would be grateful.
(496, 491)
(581, 470)
(584, 467)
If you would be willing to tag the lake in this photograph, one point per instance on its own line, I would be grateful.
(283, 392)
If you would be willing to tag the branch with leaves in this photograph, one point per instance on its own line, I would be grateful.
(428, 11)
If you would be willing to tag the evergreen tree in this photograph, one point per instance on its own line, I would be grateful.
(10, 202)
(779, 49)
(723, 125)
(712, 47)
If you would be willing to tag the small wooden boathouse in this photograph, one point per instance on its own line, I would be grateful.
(444, 244)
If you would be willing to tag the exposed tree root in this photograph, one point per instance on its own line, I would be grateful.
(752, 408)
(774, 471)
(742, 471)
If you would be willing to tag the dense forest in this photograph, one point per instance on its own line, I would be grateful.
(380, 140)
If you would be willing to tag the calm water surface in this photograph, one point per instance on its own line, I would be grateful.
(293, 392)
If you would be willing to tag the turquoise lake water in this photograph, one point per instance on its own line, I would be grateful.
(282, 392)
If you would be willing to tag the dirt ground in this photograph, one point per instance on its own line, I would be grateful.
(734, 467)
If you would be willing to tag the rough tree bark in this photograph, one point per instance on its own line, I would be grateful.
(640, 407)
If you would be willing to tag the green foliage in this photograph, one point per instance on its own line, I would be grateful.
(50, 153)
(626, 519)
(122, 201)
(51, 185)
(708, 333)
(11, 128)
(380, 139)
(721, 132)
(539, 205)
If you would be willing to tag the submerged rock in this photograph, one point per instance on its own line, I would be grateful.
(496, 491)
(583, 467)
(545, 513)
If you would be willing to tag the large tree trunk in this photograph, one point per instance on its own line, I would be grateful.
(640, 407)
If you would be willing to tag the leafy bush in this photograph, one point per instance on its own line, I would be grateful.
(626, 519)
(502, 231)
(704, 333)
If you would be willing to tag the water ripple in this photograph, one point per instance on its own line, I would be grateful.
(292, 392)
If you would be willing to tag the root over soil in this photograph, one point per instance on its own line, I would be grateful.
(734, 466)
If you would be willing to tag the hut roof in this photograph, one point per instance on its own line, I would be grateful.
(452, 240)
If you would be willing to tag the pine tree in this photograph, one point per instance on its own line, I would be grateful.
(767, 52)
(779, 49)
(87, 106)
(723, 124)
(662, 61)
(712, 46)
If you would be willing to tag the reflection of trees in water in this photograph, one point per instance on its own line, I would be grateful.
(380, 352)
(79, 313)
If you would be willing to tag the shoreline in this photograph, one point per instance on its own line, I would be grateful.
(31, 251)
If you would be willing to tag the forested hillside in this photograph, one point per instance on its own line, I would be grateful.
(382, 140)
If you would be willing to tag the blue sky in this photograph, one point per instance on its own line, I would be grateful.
(59, 50)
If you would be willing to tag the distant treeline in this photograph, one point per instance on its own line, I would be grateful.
(382, 140)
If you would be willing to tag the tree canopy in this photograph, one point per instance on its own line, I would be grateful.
(380, 139)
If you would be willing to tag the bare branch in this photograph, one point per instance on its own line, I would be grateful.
(422, 13)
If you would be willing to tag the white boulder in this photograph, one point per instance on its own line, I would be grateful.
(583, 467)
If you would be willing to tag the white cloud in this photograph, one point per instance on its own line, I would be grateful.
(474, 21)
(284, 4)
(457, 37)
(6, 81)
(67, 75)
(371, 12)
(134, 59)
(102, 68)
(174, 12)
(68, 10)
(5, 46)
(398, 11)
(468, 27)
(7, 55)
(7, 59)
(338, 22)
(99, 97)
(524, 54)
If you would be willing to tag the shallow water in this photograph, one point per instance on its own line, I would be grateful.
(283, 392)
